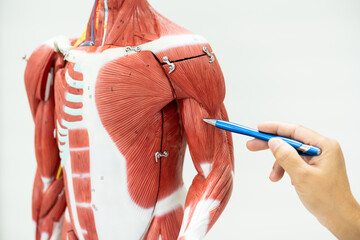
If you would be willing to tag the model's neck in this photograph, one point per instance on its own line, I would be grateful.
(117, 5)
(122, 23)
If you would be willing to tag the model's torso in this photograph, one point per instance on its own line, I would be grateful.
(115, 111)
(119, 128)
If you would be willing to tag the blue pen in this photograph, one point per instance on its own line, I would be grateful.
(302, 148)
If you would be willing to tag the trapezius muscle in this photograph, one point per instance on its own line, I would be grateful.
(113, 112)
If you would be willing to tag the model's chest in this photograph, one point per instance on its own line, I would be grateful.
(133, 81)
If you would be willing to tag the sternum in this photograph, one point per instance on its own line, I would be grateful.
(74, 148)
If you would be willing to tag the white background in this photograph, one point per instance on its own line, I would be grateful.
(287, 60)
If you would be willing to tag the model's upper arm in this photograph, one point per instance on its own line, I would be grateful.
(200, 88)
(37, 74)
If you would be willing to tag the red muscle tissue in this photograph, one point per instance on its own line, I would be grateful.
(113, 112)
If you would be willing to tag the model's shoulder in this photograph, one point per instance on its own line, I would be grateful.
(39, 70)
(193, 69)
(177, 47)
(46, 51)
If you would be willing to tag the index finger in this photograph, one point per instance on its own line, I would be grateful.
(293, 131)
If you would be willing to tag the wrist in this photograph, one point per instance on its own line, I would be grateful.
(343, 220)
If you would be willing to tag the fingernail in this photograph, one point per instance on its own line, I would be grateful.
(274, 144)
(272, 174)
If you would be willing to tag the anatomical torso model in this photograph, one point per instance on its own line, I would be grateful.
(113, 112)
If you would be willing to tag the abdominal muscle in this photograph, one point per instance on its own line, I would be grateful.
(115, 212)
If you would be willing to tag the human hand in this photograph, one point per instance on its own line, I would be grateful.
(321, 181)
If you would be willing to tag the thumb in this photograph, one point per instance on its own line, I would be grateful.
(286, 156)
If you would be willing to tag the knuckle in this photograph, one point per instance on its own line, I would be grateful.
(323, 141)
(298, 128)
(280, 153)
(283, 155)
(333, 144)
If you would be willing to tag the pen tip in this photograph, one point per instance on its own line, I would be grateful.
(210, 121)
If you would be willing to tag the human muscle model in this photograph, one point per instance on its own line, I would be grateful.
(113, 112)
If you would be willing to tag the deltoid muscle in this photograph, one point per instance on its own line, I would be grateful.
(113, 112)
